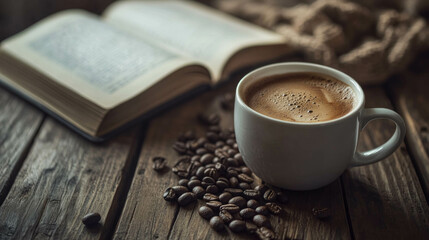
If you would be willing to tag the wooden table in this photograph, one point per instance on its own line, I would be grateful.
(50, 177)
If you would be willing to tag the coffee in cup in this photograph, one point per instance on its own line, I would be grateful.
(301, 97)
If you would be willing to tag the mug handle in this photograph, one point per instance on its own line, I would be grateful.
(378, 153)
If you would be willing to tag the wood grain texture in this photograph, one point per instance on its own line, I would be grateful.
(147, 215)
(385, 200)
(410, 94)
(19, 123)
(64, 178)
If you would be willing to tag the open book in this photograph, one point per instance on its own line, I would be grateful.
(99, 73)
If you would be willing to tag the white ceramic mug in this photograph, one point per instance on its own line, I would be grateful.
(304, 156)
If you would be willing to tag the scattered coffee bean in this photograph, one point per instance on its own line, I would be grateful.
(251, 193)
(198, 191)
(244, 185)
(206, 158)
(210, 147)
(91, 219)
(270, 195)
(212, 137)
(210, 197)
(226, 216)
(225, 197)
(201, 151)
(239, 201)
(169, 195)
(261, 221)
(265, 233)
(237, 226)
(214, 205)
(232, 208)
(158, 163)
(246, 171)
(180, 147)
(321, 213)
(200, 172)
(251, 227)
(193, 183)
(261, 188)
(274, 208)
(282, 198)
(222, 184)
(262, 210)
(217, 223)
(211, 172)
(206, 212)
(212, 189)
(247, 213)
(234, 191)
(209, 180)
(179, 190)
(186, 198)
(184, 182)
(252, 203)
(209, 119)
(233, 182)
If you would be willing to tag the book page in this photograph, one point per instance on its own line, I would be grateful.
(100, 62)
(191, 28)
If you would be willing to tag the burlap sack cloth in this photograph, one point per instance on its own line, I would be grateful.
(370, 43)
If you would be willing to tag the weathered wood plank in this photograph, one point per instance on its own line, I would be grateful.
(410, 94)
(147, 215)
(19, 123)
(63, 178)
(385, 199)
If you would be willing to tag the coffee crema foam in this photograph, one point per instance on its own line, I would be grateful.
(301, 97)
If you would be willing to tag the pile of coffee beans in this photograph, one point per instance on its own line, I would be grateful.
(211, 168)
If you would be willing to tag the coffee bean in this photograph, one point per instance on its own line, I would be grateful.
(231, 152)
(251, 193)
(274, 208)
(244, 185)
(230, 142)
(210, 197)
(265, 233)
(206, 212)
(261, 188)
(189, 135)
(234, 191)
(261, 221)
(321, 213)
(210, 147)
(169, 195)
(217, 223)
(214, 205)
(246, 171)
(270, 195)
(91, 219)
(180, 147)
(233, 181)
(193, 178)
(179, 190)
(206, 158)
(211, 172)
(237, 216)
(232, 162)
(237, 226)
(193, 183)
(247, 213)
(239, 201)
(227, 101)
(245, 178)
(252, 203)
(262, 210)
(212, 137)
(226, 216)
(220, 168)
(208, 180)
(235, 146)
(222, 184)
(232, 208)
(215, 129)
(224, 135)
(201, 151)
(251, 227)
(158, 163)
(220, 153)
(220, 144)
(282, 198)
(200, 172)
(186, 198)
(209, 119)
(225, 197)
(198, 191)
(212, 189)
